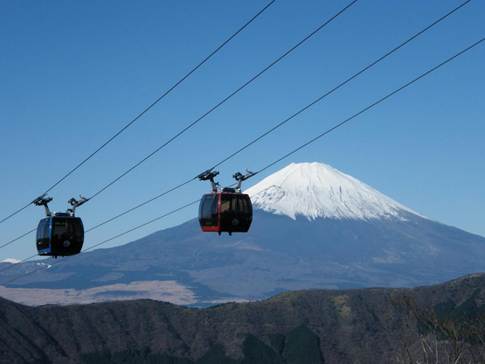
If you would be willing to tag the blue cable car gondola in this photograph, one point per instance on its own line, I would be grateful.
(62, 233)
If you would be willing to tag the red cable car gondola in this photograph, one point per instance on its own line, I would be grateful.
(227, 210)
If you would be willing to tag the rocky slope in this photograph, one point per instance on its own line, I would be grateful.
(374, 325)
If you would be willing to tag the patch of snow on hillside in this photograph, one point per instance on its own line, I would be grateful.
(316, 190)
(10, 260)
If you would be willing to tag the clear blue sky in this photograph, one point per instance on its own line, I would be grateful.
(71, 73)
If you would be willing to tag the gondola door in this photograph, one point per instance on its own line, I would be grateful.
(235, 213)
(209, 212)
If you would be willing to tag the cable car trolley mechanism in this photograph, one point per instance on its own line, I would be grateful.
(227, 209)
(61, 233)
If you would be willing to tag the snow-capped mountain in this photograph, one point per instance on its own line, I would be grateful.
(315, 190)
(313, 227)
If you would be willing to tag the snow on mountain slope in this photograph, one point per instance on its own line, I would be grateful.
(10, 261)
(316, 190)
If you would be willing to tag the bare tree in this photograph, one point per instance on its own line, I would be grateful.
(447, 340)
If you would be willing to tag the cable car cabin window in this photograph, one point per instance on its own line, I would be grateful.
(227, 204)
(67, 235)
(208, 210)
(236, 212)
(43, 234)
(43, 229)
(60, 229)
(67, 228)
(243, 205)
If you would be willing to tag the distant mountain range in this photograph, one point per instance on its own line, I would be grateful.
(437, 324)
(314, 227)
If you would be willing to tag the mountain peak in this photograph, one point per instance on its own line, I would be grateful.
(317, 190)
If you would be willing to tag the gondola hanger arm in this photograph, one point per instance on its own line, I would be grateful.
(43, 200)
(76, 203)
(239, 177)
(209, 175)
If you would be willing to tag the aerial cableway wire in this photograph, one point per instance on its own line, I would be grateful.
(341, 84)
(17, 238)
(300, 111)
(293, 151)
(275, 127)
(115, 236)
(220, 103)
(215, 107)
(371, 106)
(225, 99)
(102, 242)
(148, 108)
